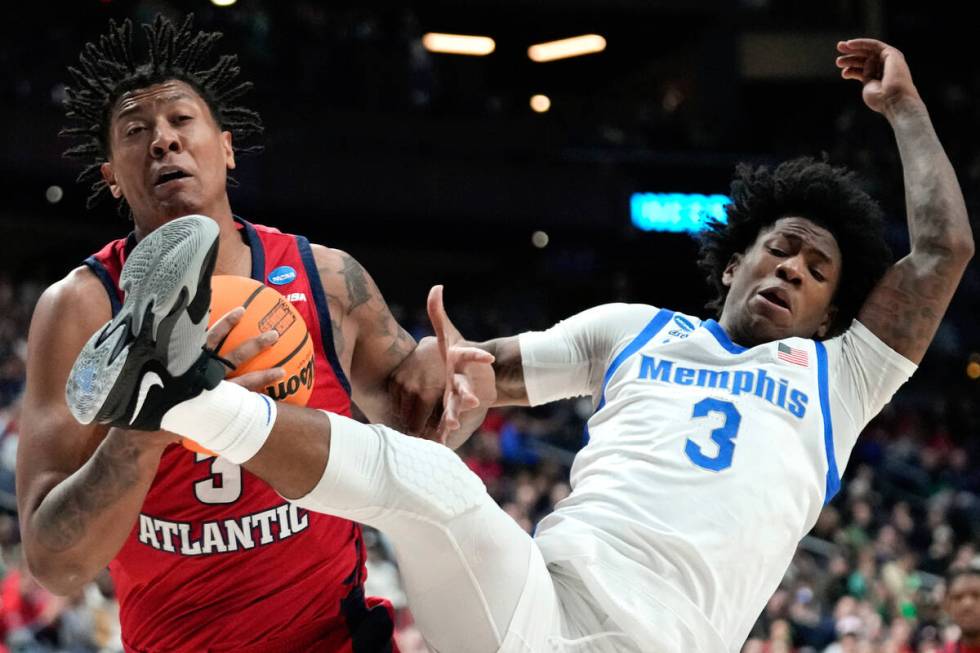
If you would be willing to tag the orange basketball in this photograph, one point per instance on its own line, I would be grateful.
(265, 310)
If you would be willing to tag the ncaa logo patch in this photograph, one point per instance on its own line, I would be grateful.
(683, 323)
(282, 275)
(685, 328)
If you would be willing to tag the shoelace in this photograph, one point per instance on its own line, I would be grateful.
(214, 355)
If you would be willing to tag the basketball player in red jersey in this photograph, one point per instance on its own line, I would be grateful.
(205, 555)
(963, 605)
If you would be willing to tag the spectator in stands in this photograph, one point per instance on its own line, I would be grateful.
(963, 606)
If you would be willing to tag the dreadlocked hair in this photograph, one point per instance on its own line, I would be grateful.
(830, 197)
(109, 69)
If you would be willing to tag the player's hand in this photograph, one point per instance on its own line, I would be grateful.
(259, 379)
(470, 381)
(882, 70)
(416, 389)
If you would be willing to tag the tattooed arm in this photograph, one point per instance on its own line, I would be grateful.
(369, 342)
(79, 488)
(509, 370)
(906, 307)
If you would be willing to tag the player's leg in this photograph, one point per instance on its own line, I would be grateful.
(468, 568)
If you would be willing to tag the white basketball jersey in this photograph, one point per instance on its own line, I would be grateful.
(706, 462)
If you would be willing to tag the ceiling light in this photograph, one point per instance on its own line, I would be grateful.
(540, 103)
(572, 47)
(458, 44)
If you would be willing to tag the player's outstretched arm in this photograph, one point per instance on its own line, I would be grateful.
(79, 488)
(906, 307)
(564, 361)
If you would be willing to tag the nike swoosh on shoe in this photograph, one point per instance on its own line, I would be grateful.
(149, 380)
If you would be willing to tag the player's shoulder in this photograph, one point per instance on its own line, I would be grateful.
(266, 229)
(78, 301)
(625, 310)
(629, 317)
(346, 282)
(328, 257)
(858, 343)
(78, 291)
(331, 259)
(650, 311)
(335, 264)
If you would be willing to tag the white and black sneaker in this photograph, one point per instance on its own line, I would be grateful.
(151, 355)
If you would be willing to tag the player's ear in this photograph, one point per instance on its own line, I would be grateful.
(110, 178)
(228, 149)
(828, 320)
(729, 273)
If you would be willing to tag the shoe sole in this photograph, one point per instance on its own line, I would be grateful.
(166, 274)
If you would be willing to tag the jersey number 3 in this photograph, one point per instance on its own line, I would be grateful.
(224, 485)
(724, 436)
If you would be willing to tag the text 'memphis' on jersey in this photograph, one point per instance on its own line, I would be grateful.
(706, 462)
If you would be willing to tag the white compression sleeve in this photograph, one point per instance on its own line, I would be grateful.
(569, 359)
(458, 552)
(229, 420)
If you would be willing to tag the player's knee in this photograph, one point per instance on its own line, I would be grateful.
(430, 477)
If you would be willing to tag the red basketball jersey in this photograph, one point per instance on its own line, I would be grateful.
(218, 561)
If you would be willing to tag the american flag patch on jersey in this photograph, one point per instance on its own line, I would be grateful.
(792, 355)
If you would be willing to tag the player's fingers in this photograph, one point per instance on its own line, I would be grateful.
(468, 401)
(853, 73)
(437, 316)
(220, 329)
(450, 414)
(463, 355)
(445, 432)
(450, 411)
(260, 379)
(442, 433)
(446, 331)
(846, 48)
(851, 61)
(873, 67)
(467, 398)
(252, 347)
(872, 45)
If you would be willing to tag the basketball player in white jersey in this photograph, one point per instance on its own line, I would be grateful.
(713, 446)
